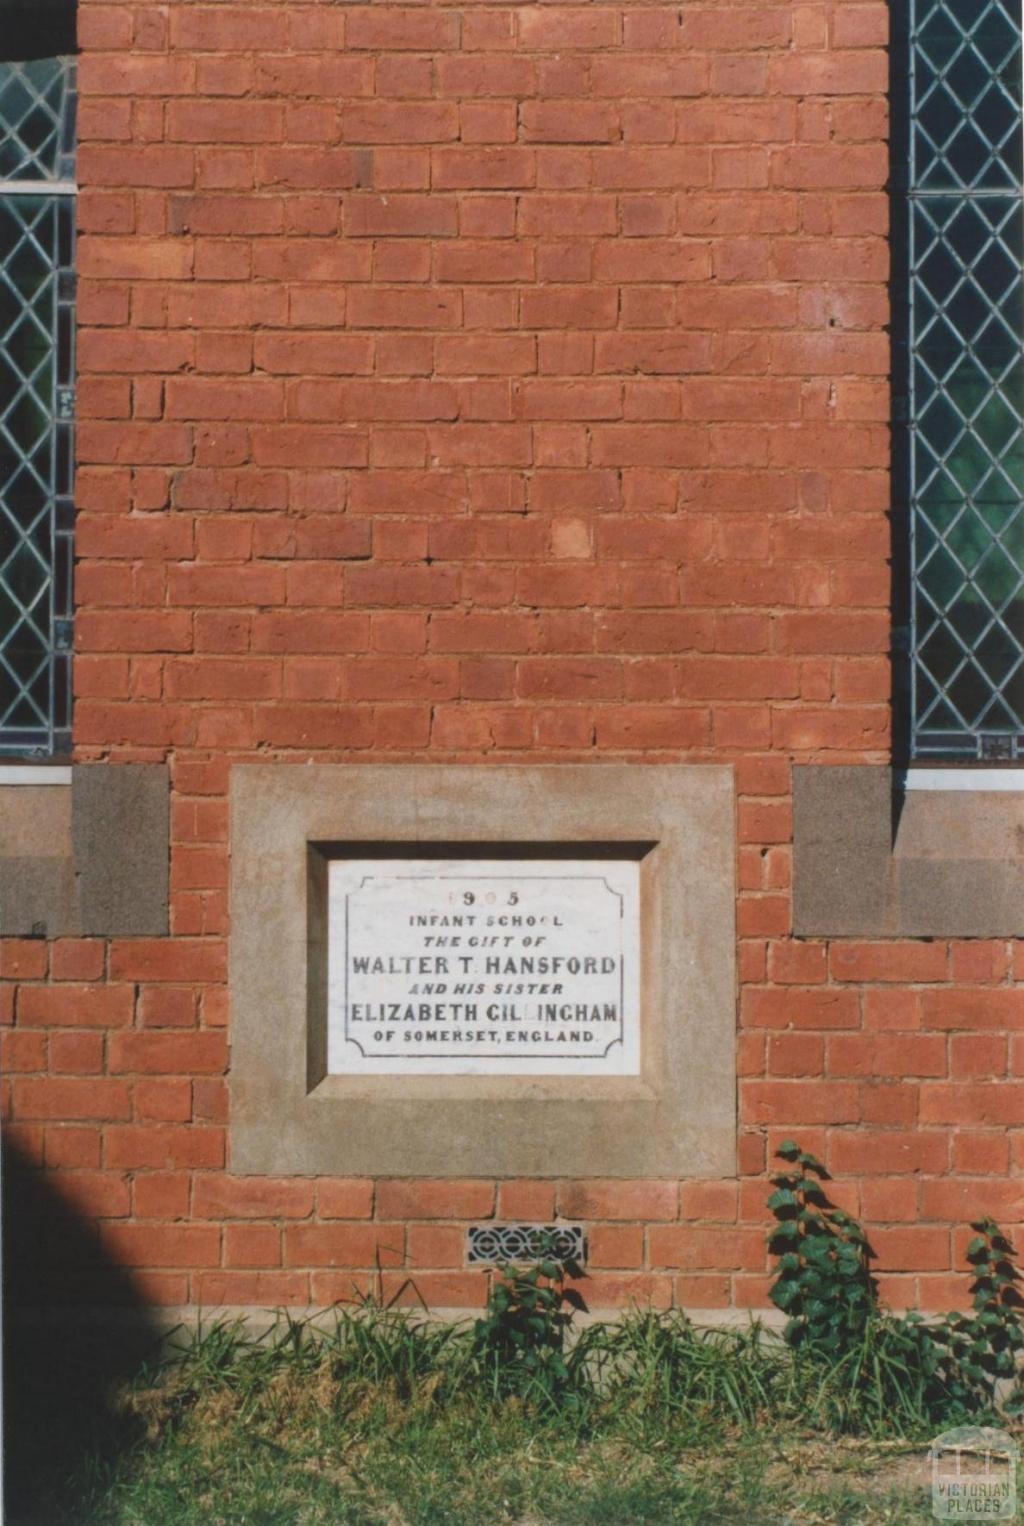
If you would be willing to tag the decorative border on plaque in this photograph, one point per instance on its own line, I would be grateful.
(495, 1244)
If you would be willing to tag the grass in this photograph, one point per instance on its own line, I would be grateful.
(484, 1467)
(390, 1418)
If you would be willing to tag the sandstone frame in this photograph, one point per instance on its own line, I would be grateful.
(678, 1118)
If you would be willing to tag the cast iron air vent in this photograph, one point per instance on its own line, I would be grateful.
(496, 1243)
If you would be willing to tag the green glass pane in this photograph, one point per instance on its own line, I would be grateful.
(936, 509)
(996, 576)
(940, 577)
(33, 107)
(966, 96)
(999, 656)
(941, 655)
(969, 540)
(970, 694)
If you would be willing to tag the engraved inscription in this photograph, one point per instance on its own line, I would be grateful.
(476, 967)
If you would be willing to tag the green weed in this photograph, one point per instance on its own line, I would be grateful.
(865, 1369)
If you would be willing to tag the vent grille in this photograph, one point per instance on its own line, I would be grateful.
(493, 1244)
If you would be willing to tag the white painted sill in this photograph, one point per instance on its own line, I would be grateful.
(35, 774)
(1000, 780)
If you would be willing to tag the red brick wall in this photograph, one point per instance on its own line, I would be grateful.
(493, 382)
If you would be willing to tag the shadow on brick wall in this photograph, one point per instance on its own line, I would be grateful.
(61, 1368)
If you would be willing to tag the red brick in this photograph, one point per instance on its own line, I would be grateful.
(344, 1199)
(436, 1245)
(23, 1051)
(998, 1009)
(720, 1248)
(163, 1147)
(163, 1101)
(210, 1101)
(994, 1102)
(23, 958)
(615, 1246)
(160, 959)
(702, 1292)
(796, 1054)
(939, 1292)
(887, 1200)
(75, 1053)
(887, 1153)
(240, 1197)
(264, 1289)
(70, 1099)
(569, 122)
(252, 1245)
(960, 1201)
(978, 962)
(167, 1007)
(892, 1009)
(72, 1145)
(800, 964)
(95, 1194)
(435, 1200)
(26, 1140)
(530, 1201)
(981, 1152)
(797, 1102)
(713, 1202)
(804, 1009)
(977, 1054)
(161, 1195)
(912, 1248)
(438, 1290)
(886, 1055)
(168, 1053)
(595, 1200)
(163, 1245)
(349, 1245)
(897, 962)
(889, 1104)
(77, 959)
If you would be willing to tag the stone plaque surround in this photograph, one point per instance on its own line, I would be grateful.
(676, 1116)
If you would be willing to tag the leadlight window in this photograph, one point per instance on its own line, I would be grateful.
(963, 460)
(37, 294)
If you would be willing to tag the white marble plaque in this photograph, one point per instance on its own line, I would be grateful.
(483, 967)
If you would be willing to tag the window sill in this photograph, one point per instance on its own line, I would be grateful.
(989, 780)
(68, 867)
(875, 858)
(33, 774)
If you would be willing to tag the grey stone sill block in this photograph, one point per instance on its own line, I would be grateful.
(89, 859)
(870, 861)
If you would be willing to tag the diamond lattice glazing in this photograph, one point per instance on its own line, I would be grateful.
(36, 398)
(966, 384)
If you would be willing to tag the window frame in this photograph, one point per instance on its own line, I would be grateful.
(973, 744)
(37, 212)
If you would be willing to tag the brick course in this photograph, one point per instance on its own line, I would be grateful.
(493, 382)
